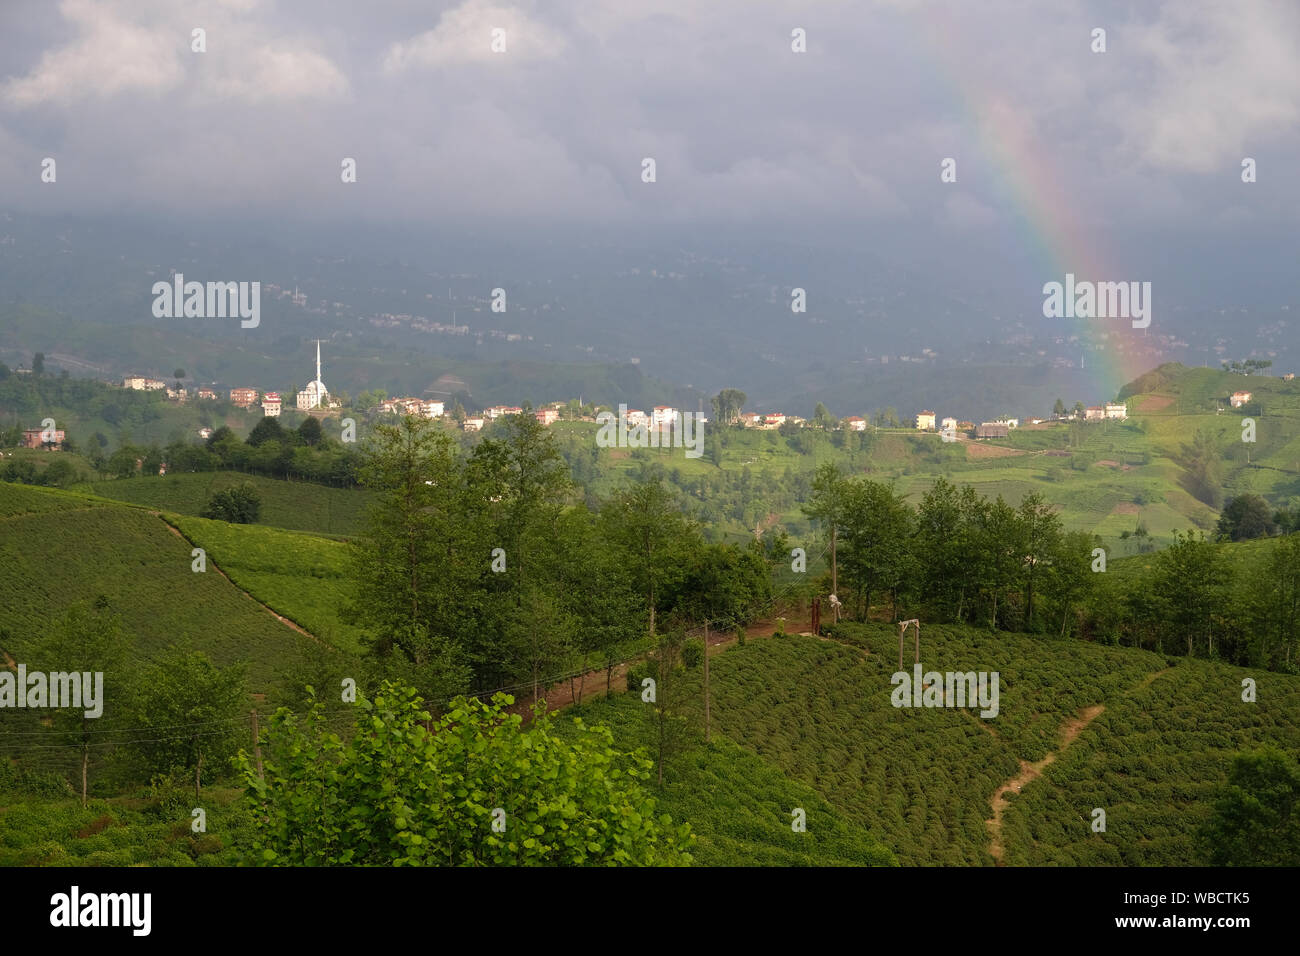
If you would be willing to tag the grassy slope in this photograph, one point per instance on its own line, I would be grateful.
(921, 778)
(738, 805)
(299, 506)
(58, 548)
(303, 576)
(1154, 762)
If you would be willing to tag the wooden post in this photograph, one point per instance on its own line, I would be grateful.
(902, 633)
(706, 682)
(257, 745)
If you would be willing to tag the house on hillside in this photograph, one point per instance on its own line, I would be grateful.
(855, 423)
(664, 415)
(243, 397)
(1117, 411)
(1094, 413)
(142, 384)
(1288, 376)
(1239, 398)
(992, 430)
(547, 416)
(949, 424)
(1009, 422)
(205, 432)
(750, 419)
(925, 421)
(207, 395)
(39, 438)
(473, 425)
(773, 420)
(271, 404)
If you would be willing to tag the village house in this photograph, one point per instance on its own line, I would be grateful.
(773, 420)
(1009, 422)
(664, 415)
(473, 425)
(271, 404)
(36, 438)
(177, 394)
(1288, 376)
(855, 423)
(1117, 411)
(205, 432)
(1094, 413)
(547, 416)
(751, 419)
(993, 430)
(142, 384)
(637, 418)
(207, 395)
(243, 397)
(500, 411)
(949, 424)
(1239, 398)
(925, 421)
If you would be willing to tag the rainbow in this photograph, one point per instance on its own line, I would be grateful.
(1030, 186)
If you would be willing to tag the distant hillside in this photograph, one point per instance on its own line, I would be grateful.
(58, 548)
(298, 506)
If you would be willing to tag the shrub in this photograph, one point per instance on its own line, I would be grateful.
(238, 505)
(693, 652)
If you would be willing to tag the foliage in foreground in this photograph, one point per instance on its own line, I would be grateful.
(410, 790)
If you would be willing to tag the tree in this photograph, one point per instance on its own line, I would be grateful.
(38, 363)
(1280, 597)
(876, 557)
(1058, 410)
(1244, 517)
(238, 505)
(178, 374)
(411, 562)
(826, 506)
(645, 526)
(268, 429)
(310, 431)
(727, 405)
(1041, 537)
(87, 641)
(1256, 819)
(822, 417)
(190, 712)
(1188, 583)
(473, 788)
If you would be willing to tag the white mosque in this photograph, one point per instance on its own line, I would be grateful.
(315, 395)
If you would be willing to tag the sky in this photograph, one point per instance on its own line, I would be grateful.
(1052, 141)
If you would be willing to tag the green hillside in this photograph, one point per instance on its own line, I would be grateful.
(58, 548)
(298, 506)
(302, 576)
(922, 779)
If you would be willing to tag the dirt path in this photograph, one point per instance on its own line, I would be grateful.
(565, 693)
(1030, 772)
(265, 607)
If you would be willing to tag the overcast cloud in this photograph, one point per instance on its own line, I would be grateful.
(742, 129)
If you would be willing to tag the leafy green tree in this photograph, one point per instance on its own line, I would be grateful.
(87, 641)
(1278, 595)
(1256, 819)
(645, 526)
(1058, 410)
(1041, 535)
(411, 563)
(190, 711)
(876, 557)
(727, 405)
(473, 788)
(309, 432)
(823, 419)
(1244, 517)
(238, 505)
(826, 505)
(1189, 582)
(267, 430)
(38, 363)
